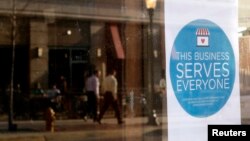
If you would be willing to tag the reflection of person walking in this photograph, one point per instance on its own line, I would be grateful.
(62, 86)
(110, 97)
(92, 87)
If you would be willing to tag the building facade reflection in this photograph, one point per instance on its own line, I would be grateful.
(70, 38)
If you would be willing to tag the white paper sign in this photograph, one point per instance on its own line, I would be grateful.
(202, 66)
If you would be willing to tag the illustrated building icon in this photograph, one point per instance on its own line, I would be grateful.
(202, 37)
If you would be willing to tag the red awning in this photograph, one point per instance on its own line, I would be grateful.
(117, 41)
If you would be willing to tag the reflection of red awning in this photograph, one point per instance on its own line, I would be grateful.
(117, 41)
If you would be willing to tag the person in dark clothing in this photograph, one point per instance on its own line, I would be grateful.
(66, 97)
(62, 85)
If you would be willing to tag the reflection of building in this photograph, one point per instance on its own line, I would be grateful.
(68, 37)
(244, 50)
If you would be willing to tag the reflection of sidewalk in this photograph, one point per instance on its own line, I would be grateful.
(135, 129)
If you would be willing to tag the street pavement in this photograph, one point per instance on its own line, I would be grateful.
(134, 129)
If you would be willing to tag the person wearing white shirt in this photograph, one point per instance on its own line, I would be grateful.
(92, 89)
(110, 85)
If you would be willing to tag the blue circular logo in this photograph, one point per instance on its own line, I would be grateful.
(202, 68)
